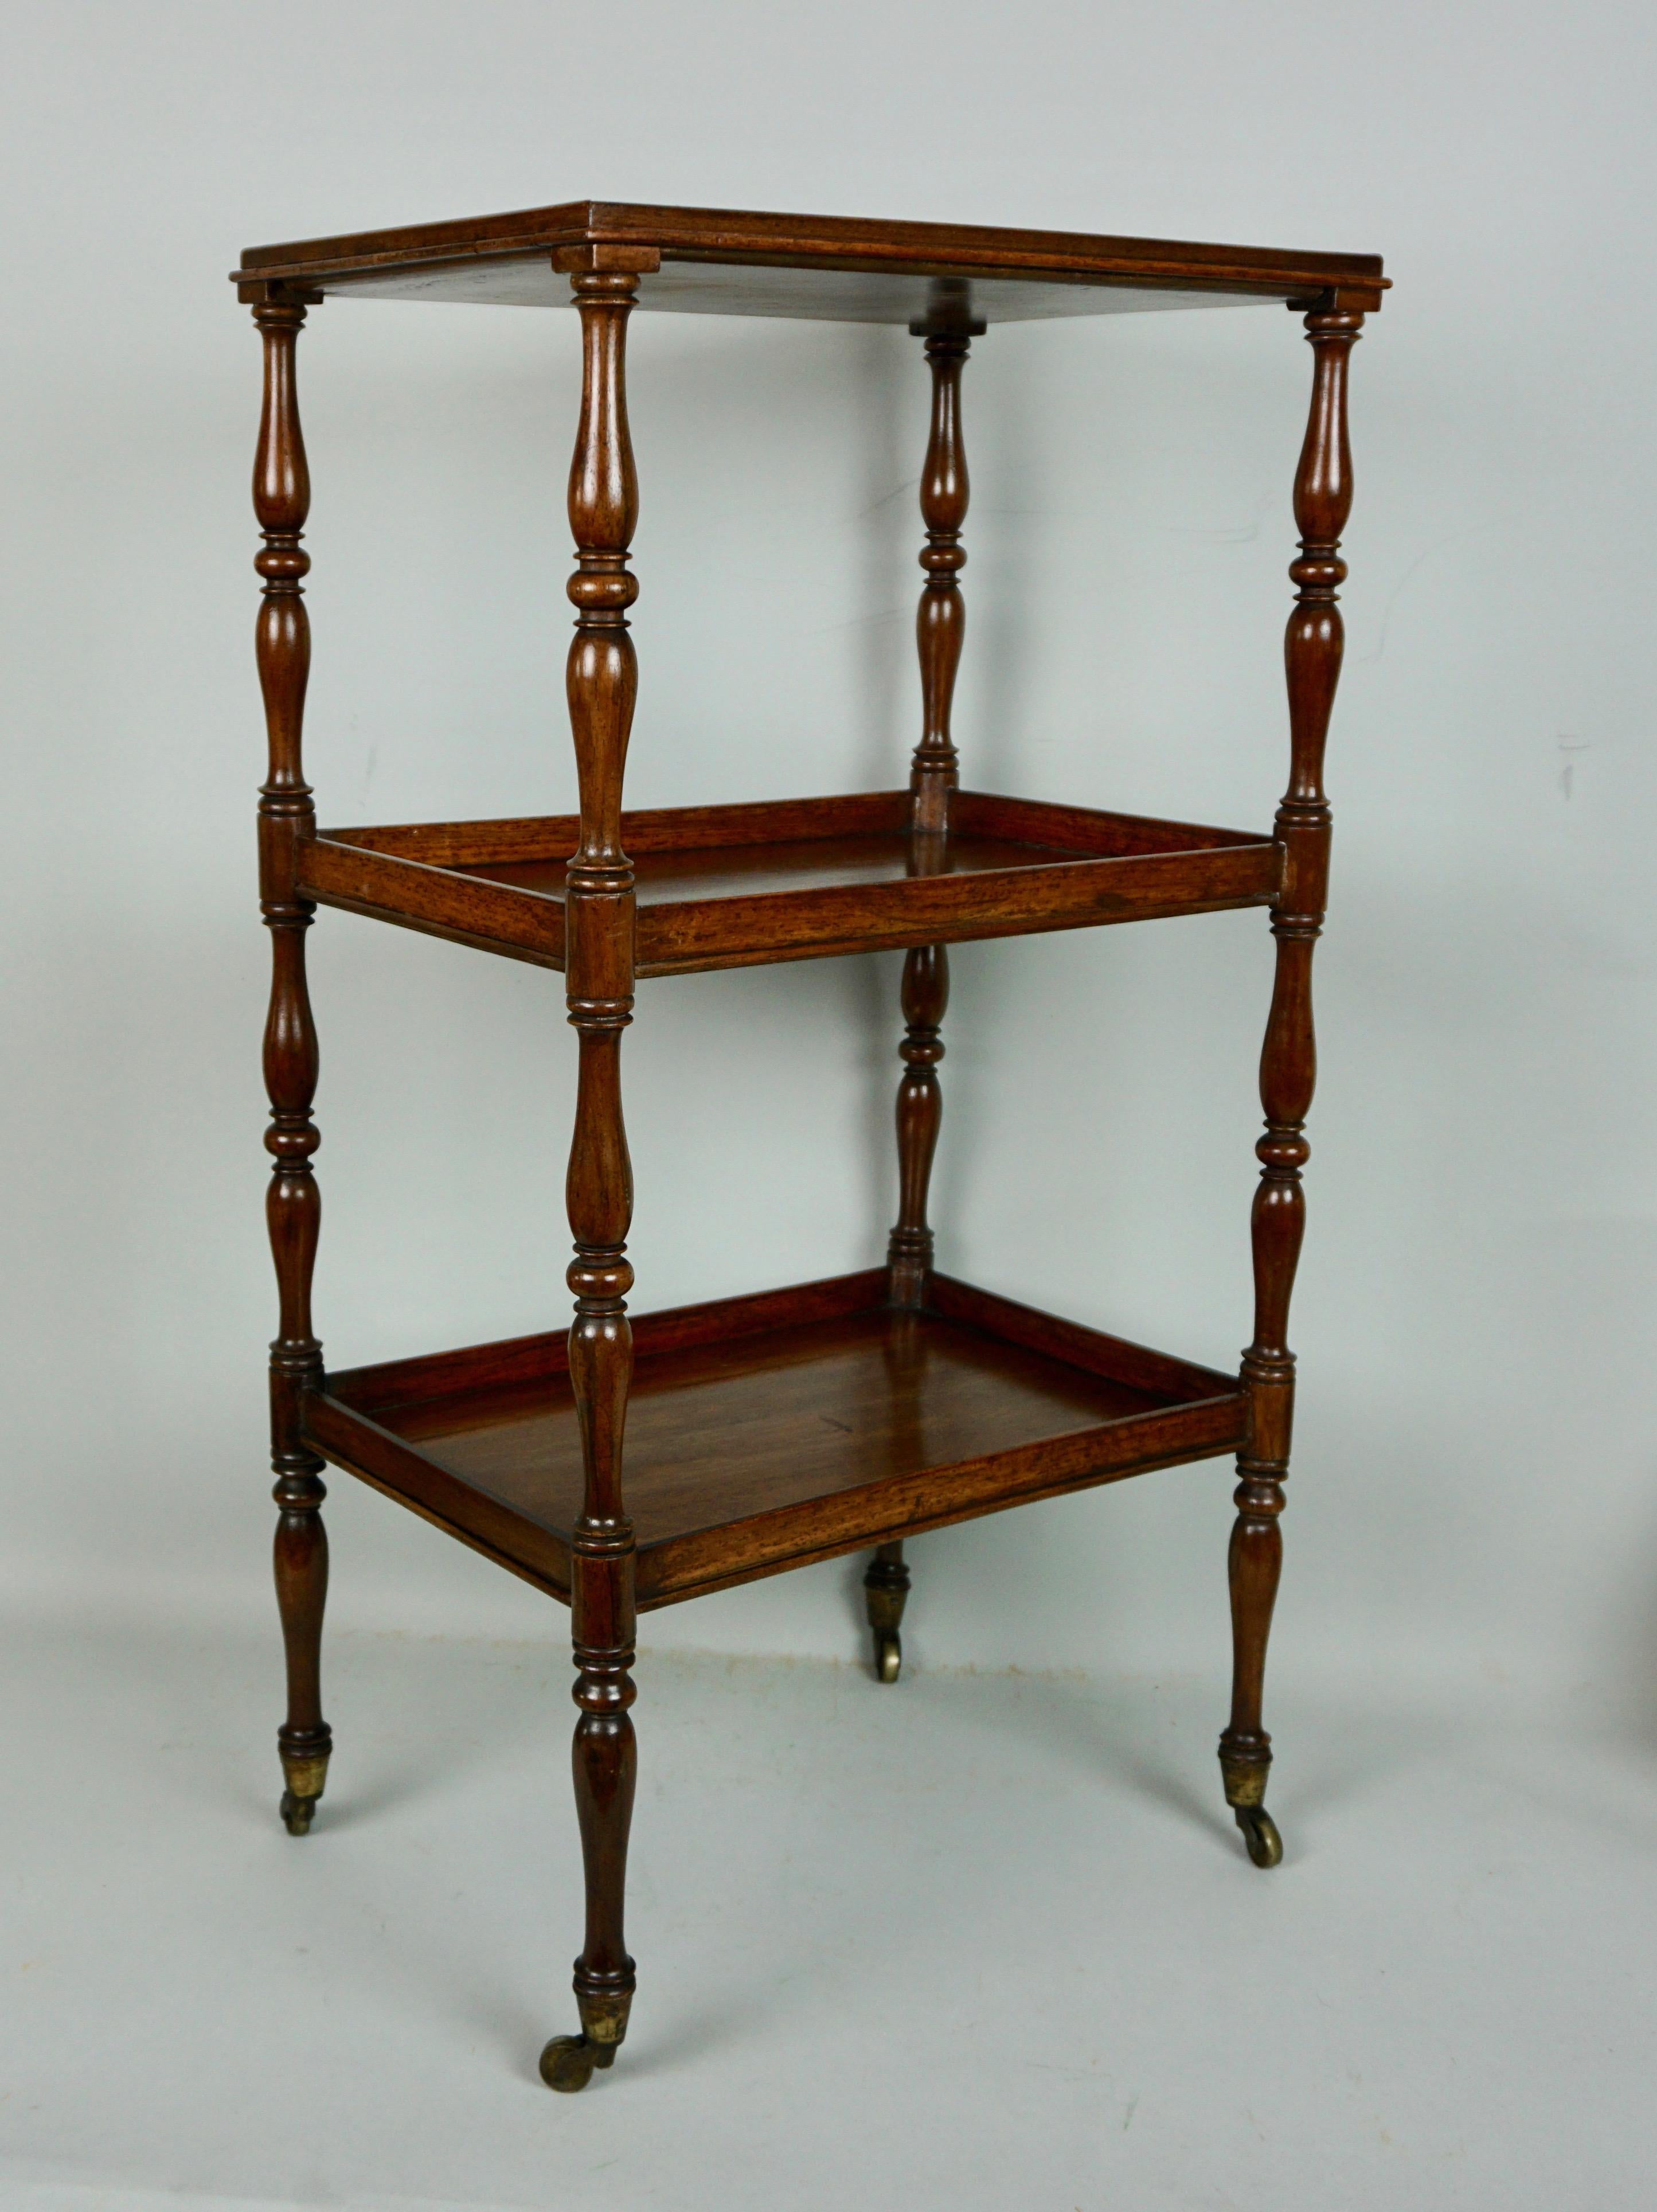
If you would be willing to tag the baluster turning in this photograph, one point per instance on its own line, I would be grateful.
(282, 500)
(940, 626)
(1312, 654)
(601, 681)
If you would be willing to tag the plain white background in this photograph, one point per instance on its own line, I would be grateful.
(1472, 1501)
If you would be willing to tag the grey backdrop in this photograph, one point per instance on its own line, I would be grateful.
(1473, 1473)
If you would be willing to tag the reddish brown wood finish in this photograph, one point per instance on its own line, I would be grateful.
(798, 879)
(601, 681)
(919, 1113)
(940, 630)
(1312, 654)
(767, 1432)
(282, 499)
(941, 618)
(731, 261)
(940, 627)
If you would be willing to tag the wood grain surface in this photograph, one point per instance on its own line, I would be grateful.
(799, 879)
(766, 1429)
(730, 261)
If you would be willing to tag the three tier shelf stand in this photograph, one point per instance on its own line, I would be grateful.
(765, 1431)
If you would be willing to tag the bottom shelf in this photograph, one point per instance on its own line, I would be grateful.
(765, 1433)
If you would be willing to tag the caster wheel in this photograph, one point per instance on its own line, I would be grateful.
(1259, 1832)
(889, 1658)
(567, 2062)
(296, 1813)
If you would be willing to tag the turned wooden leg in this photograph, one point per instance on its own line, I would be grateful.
(1312, 656)
(603, 1755)
(909, 1252)
(293, 1210)
(940, 627)
(304, 1739)
(885, 1586)
(920, 1116)
(1255, 1563)
(601, 681)
(604, 1759)
(282, 495)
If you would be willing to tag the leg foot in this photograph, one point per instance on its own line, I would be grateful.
(885, 1587)
(1256, 1559)
(567, 2062)
(1259, 1832)
(1245, 1765)
(305, 1740)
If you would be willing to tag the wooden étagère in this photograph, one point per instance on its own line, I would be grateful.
(627, 1463)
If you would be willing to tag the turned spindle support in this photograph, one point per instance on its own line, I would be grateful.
(281, 500)
(940, 626)
(601, 679)
(1312, 655)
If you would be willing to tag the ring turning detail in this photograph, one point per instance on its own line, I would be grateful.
(281, 500)
(601, 680)
(1312, 656)
(934, 777)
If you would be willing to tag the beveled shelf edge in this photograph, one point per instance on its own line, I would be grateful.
(1211, 1417)
(1076, 893)
(1105, 868)
(545, 1582)
(738, 237)
(438, 901)
(696, 1566)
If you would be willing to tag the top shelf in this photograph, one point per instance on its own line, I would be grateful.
(826, 268)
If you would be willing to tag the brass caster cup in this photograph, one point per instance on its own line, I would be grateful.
(567, 2062)
(889, 1658)
(1259, 1832)
(305, 1774)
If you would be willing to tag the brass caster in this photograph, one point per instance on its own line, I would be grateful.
(296, 1813)
(889, 1658)
(306, 1775)
(1259, 1832)
(567, 2062)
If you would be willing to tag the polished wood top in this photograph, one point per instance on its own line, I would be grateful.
(832, 268)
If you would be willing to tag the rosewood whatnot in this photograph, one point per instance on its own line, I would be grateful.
(631, 1463)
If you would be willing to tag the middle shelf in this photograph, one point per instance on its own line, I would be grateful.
(763, 1433)
(795, 879)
